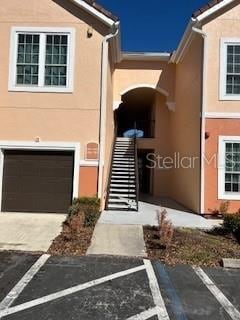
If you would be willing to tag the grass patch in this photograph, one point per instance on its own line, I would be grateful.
(190, 246)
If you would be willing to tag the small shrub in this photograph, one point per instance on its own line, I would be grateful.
(223, 209)
(88, 207)
(165, 229)
(231, 222)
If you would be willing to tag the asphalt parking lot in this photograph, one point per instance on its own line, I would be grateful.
(111, 288)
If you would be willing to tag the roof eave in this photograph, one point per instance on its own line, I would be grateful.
(91, 10)
(146, 56)
(176, 56)
(195, 22)
(212, 10)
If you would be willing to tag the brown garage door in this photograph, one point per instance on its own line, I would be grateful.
(37, 181)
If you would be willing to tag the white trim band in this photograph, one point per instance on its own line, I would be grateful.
(222, 115)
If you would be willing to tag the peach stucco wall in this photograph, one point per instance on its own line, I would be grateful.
(88, 181)
(110, 131)
(216, 128)
(52, 116)
(225, 25)
(132, 73)
(160, 146)
(61, 117)
(184, 126)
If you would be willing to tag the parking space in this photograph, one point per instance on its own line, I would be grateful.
(186, 294)
(12, 269)
(100, 287)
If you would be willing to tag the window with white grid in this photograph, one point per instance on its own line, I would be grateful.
(43, 60)
(27, 59)
(229, 168)
(232, 167)
(230, 69)
(56, 60)
(233, 69)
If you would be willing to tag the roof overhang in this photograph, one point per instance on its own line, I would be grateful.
(207, 13)
(94, 12)
(196, 22)
(145, 56)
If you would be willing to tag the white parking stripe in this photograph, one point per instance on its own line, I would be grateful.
(19, 287)
(157, 297)
(68, 291)
(222, 299)
(145, 314)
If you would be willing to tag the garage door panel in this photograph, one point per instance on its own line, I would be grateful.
(37, 181)
(60, 172)
(56, 185)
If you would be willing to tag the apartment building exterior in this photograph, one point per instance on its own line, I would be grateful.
(67, 91)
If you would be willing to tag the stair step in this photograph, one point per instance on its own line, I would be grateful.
(125, 143)
(124, 175)
(124, 159)
(124, 168)
(120, 149)
(124, 148)
(118, 207)
(116, 171)
(122, 181)
(117, 185)
(124, 139)
(118, 191)
(125, 154)
(121, 165)
(122, 200)
(122, 195)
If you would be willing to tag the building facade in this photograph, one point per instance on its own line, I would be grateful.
(67, 91)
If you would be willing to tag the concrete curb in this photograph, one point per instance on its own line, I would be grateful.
(231, 263)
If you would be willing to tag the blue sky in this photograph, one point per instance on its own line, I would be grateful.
(152, 25)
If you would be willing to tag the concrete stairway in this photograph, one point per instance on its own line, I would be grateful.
(123, 190)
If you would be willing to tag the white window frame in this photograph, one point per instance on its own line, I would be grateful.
(223, 95)
(222, 194)
(43, 146)
(12, 86)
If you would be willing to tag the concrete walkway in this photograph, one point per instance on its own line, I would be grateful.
(121, 232)
(29, 232)
(120, 240)
(147, 215)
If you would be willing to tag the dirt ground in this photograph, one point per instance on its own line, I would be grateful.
(190, 246)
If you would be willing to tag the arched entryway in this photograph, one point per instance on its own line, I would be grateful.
(137, 110)
(145, 109)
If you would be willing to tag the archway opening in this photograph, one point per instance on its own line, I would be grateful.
(137, 111)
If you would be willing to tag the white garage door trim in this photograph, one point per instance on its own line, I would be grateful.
(44, 146)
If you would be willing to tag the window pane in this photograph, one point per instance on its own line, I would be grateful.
(237, 49)
(230, 49)
(232, 167)
(233, 69)
(27, 59)
(229, 147)
(237, 58)
(230, 67)
(56, 60)
(228, 187)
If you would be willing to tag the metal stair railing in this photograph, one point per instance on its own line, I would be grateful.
(136, 167)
